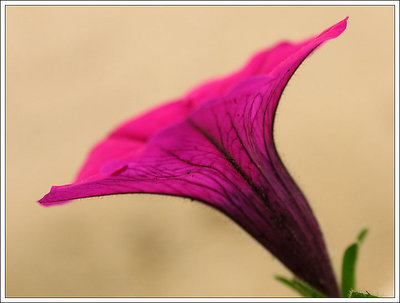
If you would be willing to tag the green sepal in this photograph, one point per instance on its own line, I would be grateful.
(349, 265)
(302, 288)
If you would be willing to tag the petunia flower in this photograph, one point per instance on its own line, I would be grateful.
(215, 145)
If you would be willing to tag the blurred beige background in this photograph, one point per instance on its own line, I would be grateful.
(73, 73)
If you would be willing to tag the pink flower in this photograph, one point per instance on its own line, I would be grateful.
(215, 145)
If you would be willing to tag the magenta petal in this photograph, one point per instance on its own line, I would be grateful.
(129, 139)
(216, 145)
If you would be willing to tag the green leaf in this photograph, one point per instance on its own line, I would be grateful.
(302, 288)
(356, 294)
(349, 269)
(313, 293)
(349, 265)
(292, 285)
(362, 235)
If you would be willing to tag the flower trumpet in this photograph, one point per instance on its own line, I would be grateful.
(215, 145)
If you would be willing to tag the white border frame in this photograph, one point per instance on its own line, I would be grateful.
(211, 3)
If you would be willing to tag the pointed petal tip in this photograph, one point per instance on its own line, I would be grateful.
(341, 26)
(335, 30)
(50, 200)
(46, 202)
(344, 22)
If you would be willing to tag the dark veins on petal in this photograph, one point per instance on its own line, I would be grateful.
(232, 164)
(224, 154)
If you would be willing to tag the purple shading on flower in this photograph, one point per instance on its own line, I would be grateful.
(216, 145)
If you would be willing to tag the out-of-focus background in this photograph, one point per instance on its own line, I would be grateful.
(74, 73)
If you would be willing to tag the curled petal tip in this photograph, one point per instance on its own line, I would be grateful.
(344, 22)
(44, 200)
(338, 28)
(47, 202)
(334, 31)
(51, 198)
